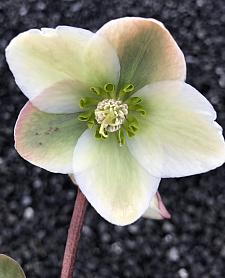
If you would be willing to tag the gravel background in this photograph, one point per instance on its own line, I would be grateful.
(35, 206)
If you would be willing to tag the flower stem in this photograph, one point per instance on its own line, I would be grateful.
(76, 224)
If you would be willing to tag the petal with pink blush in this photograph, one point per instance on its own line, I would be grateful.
(47, 140)
(147, 51)
(157, 209)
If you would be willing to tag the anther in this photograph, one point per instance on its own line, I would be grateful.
(110, 114)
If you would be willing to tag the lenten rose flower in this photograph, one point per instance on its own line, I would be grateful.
(112, 109)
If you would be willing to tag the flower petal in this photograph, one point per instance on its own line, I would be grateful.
(147, 51)
(47, 140)
(157, 209)
(178, 137)
(39, 59)
(62, 97)
(112, 180)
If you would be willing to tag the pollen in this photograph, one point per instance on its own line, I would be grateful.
(110, 114)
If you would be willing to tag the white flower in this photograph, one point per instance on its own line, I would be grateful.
(112, 109)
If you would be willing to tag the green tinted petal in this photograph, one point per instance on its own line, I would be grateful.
(179, 136)
(47, 140)
(111, 179)
(147, 51)
(62, 97)
(39, 59)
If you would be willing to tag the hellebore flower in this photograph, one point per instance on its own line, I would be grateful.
(112, 109)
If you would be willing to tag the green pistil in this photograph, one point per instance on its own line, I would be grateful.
(98, 135)
(120, 137)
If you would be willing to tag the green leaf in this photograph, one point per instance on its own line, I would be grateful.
(9, 268)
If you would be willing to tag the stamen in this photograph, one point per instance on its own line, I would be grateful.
(102, 129)
(106, 111)
(110, 114)
(120, 137)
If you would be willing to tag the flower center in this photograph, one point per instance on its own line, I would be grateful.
(110, 114)
(106, 112)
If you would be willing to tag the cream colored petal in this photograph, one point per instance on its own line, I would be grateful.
(147, 51)
(39, 59)
(47, 140)
(178, 137)
(62, 97)
(157, 209)
(112, 180)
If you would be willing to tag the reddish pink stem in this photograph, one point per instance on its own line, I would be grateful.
(73, 237)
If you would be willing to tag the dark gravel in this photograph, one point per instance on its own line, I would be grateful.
(35, 206)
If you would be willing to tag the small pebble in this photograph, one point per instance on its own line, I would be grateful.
(183, 273)
(28, 213)
(173, 254)
(116, 248)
